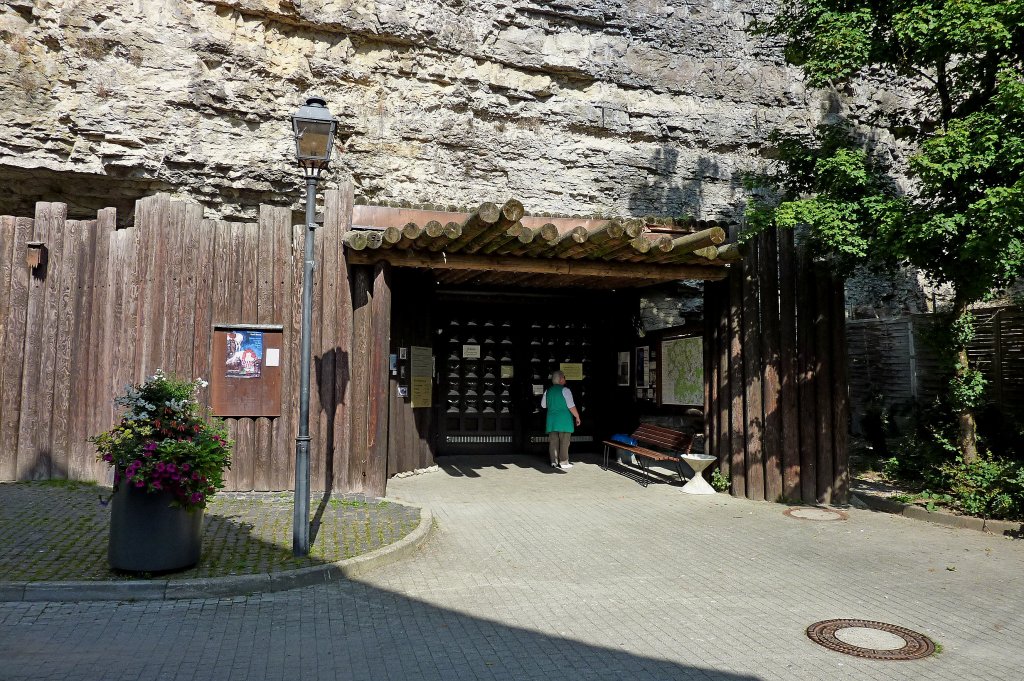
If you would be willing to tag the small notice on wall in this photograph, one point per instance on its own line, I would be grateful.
(506, 371)
(573, 371)
(538, 389)
(470, 352)
(244, 357)
(420, 381)
(273, 357)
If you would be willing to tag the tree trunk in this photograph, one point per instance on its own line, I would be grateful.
(967, 435)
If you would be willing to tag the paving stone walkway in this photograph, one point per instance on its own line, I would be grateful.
(57, 530)
(534, 573)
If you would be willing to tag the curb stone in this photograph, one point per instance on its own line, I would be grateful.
(886, 505)
(219, 587)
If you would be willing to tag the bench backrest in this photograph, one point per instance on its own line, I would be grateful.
(666, 438)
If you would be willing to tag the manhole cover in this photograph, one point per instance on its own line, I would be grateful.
(871, 640)
(814, 513)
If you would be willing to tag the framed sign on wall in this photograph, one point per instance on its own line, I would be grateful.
(245, 374)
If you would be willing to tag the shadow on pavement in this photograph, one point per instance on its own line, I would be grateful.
(349, 630)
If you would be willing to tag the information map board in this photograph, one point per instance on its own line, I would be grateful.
(245, 370)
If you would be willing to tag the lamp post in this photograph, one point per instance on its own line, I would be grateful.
(313, 126)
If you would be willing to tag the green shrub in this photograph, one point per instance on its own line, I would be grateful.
(719, 481)
(988, 487)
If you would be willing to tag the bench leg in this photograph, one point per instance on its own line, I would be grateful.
(646, 480)
(606, 448)
(679, 471)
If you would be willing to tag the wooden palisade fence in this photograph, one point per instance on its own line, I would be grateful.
(110, 306)
(776, 397)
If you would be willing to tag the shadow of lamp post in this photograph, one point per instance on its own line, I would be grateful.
(313, 126)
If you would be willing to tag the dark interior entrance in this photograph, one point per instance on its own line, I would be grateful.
(495, 354)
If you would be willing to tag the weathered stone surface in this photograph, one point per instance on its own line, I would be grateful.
(617, 106)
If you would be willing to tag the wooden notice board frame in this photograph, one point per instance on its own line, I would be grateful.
(251, 396)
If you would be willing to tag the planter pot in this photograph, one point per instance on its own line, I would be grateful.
(147, 534)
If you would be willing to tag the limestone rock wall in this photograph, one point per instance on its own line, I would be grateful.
(574, 106)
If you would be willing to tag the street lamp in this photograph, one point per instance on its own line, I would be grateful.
(313, 126)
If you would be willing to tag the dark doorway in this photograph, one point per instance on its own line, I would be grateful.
(495, 353)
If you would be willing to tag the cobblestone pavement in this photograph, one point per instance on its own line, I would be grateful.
(58, 531)
(535, 573)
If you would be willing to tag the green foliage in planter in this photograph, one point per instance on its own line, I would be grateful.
(165, 441)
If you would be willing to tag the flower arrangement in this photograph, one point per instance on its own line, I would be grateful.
(164, 442)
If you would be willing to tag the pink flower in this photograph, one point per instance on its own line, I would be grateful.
(171, 468)
(160, 467)
(139, 483)
(185, 467)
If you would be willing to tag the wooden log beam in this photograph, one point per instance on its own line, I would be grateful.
(356, 240)
(702, 239)
(410, 232)
(433, 233)
(502, 243)
(597, 237)
(538, 265)
(450, 233)
(730, 252)
(542, 242)
(568, 241)
(485, 216)
(392, 235)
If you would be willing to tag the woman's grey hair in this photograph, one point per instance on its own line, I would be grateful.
(555, 375)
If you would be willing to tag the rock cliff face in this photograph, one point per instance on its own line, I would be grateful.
(573, 106)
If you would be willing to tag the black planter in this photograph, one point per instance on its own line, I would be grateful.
(147, 534)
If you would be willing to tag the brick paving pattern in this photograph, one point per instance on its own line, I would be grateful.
(58, 531)
(538, 574)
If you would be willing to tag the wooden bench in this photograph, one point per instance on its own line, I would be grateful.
(670, 442)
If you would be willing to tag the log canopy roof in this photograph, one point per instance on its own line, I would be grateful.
(501, 245)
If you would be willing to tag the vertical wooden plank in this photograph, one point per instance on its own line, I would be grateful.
(37, 379)
(316, 407)
(189, 277)
(16, 349)
(330, 348)
(82, 368)
(754, 415)
(805, 301)
(131, 267)
(208, 285)
(841, 401)
(709, 356)
(722, 439)
(823, 382)
(298, 244)
(100, 383)
(174, 281)
(284, 302)
(343, 337)
(64, 343)
(358, 406)
(737, 439)
(788, 382)
(768, 282)
(249, 271)
(264, 315)
(153, 224)
(7, 257)
(231, 312)
(378, 394)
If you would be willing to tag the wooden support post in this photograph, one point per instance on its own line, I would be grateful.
(358, 460)
(768, 282)
(737, 445)
(378, 395)
(752, 376)
(841, 401)
(823, 382)
(788, 376)
(805, 307)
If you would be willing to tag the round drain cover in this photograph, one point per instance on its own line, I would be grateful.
(871, 640)
(814, 513)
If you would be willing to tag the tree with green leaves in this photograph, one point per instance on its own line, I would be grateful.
(961, 221)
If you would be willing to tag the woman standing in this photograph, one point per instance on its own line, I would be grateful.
(562, 417)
